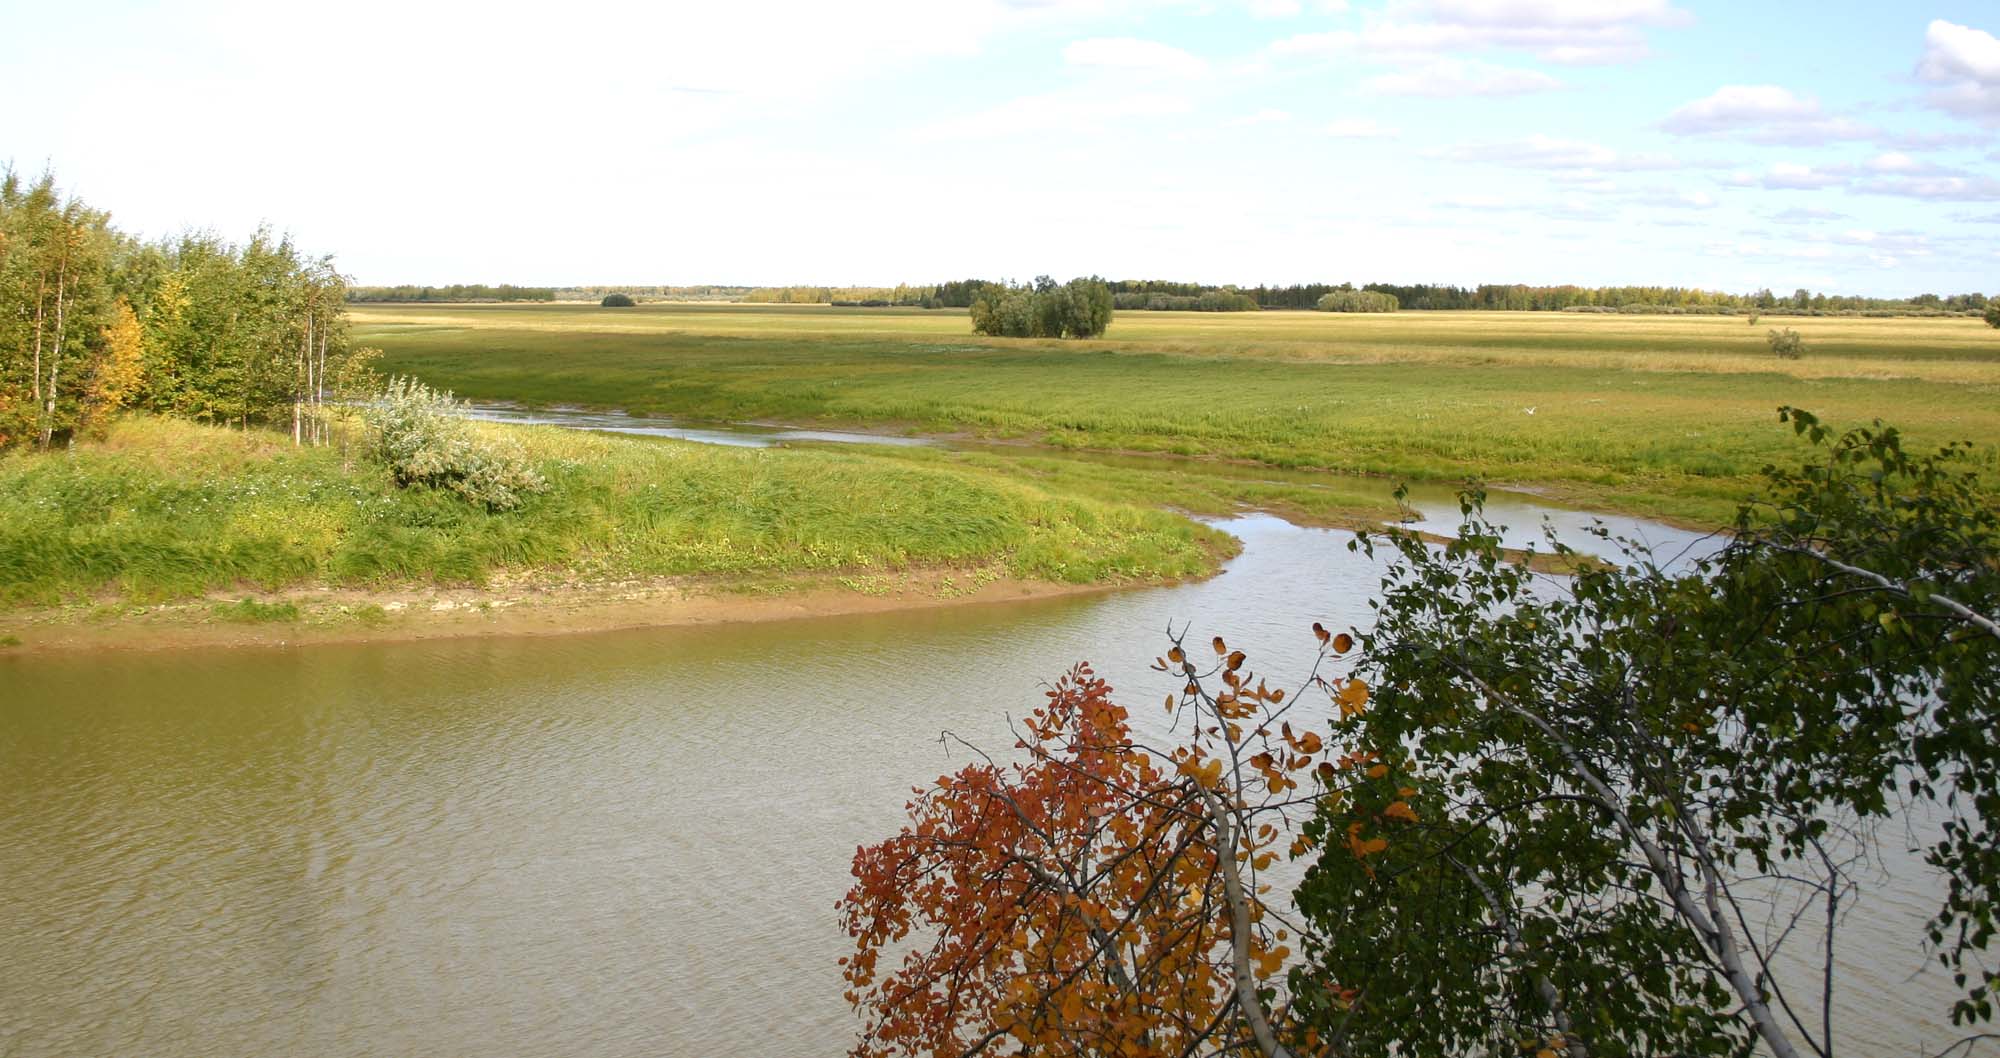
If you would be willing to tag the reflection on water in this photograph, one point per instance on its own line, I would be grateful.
(734, 434)
(614, 844)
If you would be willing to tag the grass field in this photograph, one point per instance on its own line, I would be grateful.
(1658, 415)
(165, 510)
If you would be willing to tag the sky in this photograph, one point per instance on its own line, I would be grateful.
(1839, 145)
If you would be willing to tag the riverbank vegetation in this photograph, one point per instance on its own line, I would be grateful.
(1620, 813)
(165, 509)
(1651, 415)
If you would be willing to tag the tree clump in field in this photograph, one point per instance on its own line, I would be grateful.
(617, 301)
(1537, 815)
(1358, 301)
(1787, 344)
(425, 439)
(1080, 308)
(1993, 314)
(93, 321)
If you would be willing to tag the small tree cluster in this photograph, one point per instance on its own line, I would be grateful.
(1786, 344)
(1993, 314)
(425, 438)
(1358, 301)
(93, 320)
(1080, 308)
(617, 301)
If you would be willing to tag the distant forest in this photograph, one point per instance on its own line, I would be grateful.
(1161, 294)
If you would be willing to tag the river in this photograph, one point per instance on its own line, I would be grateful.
(614, 844)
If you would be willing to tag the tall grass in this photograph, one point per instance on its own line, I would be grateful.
(168, 510)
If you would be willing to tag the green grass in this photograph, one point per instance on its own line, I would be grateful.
(165, 510)
(1647, 414)
(250, 611)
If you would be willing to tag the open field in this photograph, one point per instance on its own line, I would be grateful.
(1660, 415)
(170, 510)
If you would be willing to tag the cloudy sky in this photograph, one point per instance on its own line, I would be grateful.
(1842, 145)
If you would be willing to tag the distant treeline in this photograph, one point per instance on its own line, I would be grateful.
(1162, 294)
(901, 294)
(705, 292)
(454, 292)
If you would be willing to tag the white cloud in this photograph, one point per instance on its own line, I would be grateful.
(1763, 114)
(1274, 8)
(1358, 129)
(1554, 12)
(1940, 188)
(1965, 65)
(1569, 32)
(1668, 198)
(1130, 54)
(1267, 116)
(1790, 176)
(1807, 215)
(1452, 78)
(1067, 111)
(1895, 162)
(1547, 152)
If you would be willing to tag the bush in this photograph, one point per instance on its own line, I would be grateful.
(617, 301)
(1080, 308)
(1787, 344)
(1359, 301)
(424, 438)
(1993, 314)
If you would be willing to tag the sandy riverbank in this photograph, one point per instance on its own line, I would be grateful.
(522, 608)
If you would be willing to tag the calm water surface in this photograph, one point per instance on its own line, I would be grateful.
(612, 845)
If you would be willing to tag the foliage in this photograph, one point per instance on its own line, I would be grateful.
(1357, 301)
(1607, 769)
(423, 436)
(55, 297)
(1100, 897)
(1206, 301)
(1080, 308)
(1787, 344)
(165, 509)
(617, 301)
(92, 321)
(1993, 314)
(120, 373)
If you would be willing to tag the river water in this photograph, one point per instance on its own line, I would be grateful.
(614, 844)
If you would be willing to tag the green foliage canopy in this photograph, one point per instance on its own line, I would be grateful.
(1080, 308)
(1596, 765)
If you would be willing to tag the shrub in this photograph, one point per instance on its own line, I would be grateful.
(1359, 301)
(1787, 344)
(617, 301)
(1080, 308)
(423, 436)
(1993, 314)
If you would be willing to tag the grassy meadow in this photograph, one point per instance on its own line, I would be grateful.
(164, 510)
(1660, 415)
